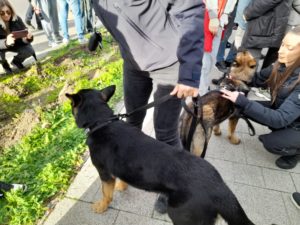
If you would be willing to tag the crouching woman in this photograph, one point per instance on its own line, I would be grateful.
(9, 23)
(282, 113)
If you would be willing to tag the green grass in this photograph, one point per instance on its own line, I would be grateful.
(48, 157)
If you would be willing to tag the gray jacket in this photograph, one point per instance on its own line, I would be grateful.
(153, 34)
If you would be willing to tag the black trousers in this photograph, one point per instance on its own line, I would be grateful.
(138, 86)
(285, 141)
(24, 52)
(5, 186)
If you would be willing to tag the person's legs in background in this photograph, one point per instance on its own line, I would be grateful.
(28, 17)
(63, 19)
(271, 57)
(75, 7)
(24, 52)
(53, 15)
(4, 63)
(87, 16)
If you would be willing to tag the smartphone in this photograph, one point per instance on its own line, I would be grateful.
(20, 33)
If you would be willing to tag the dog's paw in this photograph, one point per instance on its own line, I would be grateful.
(121, 185)
(100, 206)
(217, 130)
(234, 140)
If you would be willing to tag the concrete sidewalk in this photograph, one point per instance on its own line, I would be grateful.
(262, 189)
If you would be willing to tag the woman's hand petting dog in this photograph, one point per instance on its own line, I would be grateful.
(230, 95)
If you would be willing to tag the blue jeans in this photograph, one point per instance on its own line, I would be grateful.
(87, 15)
(64, 12)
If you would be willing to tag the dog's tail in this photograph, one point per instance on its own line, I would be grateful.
(233, 212)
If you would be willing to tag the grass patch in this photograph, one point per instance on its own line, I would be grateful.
(48, 157)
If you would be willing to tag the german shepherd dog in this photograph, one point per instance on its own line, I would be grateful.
(196, 192)
(214, 109)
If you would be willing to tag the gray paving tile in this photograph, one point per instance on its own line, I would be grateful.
(125, 218)
(72, 212)
(86, 184)
(225, 168)
(220, 148)
(247, 174)
(292, 211)
(163, 217)
(278, 180)
(263, 206)
(134, 201)
(296, 179)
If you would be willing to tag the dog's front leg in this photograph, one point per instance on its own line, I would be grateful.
(108, 186)
(120, 185)
(231, 129)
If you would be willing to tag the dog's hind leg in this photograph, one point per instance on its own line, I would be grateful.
(217, 130)
(107, 191)
(120, 185)
(231, 129)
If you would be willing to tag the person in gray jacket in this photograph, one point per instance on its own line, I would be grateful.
(161, 43)
(282, 113)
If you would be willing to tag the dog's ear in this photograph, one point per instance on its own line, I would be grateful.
(75, 98)
(107, 92)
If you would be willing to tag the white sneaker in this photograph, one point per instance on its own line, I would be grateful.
(83, 41)
(66, 41)
(52, 44)
(21, 187)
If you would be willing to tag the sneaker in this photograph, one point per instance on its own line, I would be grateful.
(228, 44)
(262, 93)
(287, 162)
(17, 64)
(82, 41)
(52, 44)
(66, 41)
(222, 66)
(296, 199)
(161, 204)
(29, 25)
(6, 67)
(58, 39)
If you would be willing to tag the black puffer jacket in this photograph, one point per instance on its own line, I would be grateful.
(266, 23)
(285, 112)
(14, 25)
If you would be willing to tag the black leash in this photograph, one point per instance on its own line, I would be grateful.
(99, 124)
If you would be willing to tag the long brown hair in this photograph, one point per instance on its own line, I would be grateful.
(14, 17)
(278, 76)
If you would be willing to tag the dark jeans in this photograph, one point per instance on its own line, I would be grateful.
(284, 141)
(5, 186)
(87, 15)
(138, 86)
(24, 52)
(29, 15)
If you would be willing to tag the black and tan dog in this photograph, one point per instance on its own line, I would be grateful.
(214, 109)
(196, 192)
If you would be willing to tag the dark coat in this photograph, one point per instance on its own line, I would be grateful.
(266, 23)
(14, 25)
(154, 34)
(285, 112)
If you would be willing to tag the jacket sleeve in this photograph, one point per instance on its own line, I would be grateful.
(286, 114)
(260, 78)
(190, 14)
(257, 8)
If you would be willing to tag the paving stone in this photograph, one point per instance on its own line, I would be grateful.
(125, 218)
(225, 168)
(247, 174)
(135, 201)
(296, 179)
(292, 211)
(262, 206)
(278, 180)
(160, 216)
(86, 184)
(220, 148)
(72, 212)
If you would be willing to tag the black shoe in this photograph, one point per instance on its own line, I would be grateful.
(6, 67)
(161, 204)
(296, 199)
(29, 25)
(228, 64)
(287, 162)
(221, 66)
(17, 64)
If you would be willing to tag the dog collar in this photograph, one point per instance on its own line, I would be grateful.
(100, 124)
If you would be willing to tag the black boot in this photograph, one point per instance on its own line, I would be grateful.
(161, 204)
(17, 63)
(6, 67)
(287, 162)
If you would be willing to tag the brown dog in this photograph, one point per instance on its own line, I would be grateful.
(214, 109)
